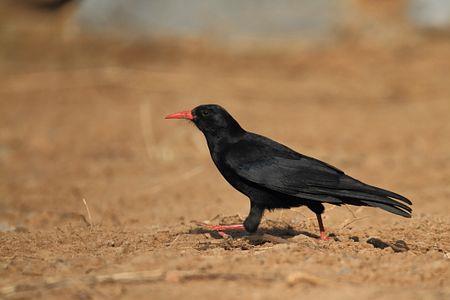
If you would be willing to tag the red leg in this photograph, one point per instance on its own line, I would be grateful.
(323, 234)
(221, 228)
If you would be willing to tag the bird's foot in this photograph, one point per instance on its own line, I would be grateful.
(324, 236)
(223, 234)
(220, 228)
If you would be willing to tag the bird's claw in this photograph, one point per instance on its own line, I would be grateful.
(220, 228)
(324, 236)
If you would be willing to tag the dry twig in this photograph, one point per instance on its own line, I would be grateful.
(346, 222)
(88, 212)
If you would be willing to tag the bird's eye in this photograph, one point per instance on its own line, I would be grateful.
(205, 113)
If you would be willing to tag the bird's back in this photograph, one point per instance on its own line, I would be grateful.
(262, 162)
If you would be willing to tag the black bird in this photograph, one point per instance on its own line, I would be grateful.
(275, 176)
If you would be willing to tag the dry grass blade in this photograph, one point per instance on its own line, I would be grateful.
(147, 129)
(126, 277)
(88, 212)
(182, 276)
(351, 211)
(302, 277)
(346, 222)
(185, 176)
(354, 217)
(174, 240)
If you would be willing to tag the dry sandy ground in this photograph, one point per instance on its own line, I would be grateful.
(84, 120)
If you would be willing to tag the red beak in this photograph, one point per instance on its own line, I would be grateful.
(181, 115)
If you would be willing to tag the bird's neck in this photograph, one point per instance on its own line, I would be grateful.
(221, 139)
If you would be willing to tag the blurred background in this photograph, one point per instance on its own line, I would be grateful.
(85, 85)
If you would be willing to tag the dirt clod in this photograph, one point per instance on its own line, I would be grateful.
(377, 243)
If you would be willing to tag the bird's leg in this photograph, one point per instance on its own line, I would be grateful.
(323, 235)
(223, 227)
(220, 228)
(251, 223)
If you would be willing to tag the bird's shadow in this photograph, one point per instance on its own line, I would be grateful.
(283, 233)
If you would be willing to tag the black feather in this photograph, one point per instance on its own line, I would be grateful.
(360, 195)
(275, 176)
(389, 208)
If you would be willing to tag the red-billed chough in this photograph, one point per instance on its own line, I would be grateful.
(275, 176)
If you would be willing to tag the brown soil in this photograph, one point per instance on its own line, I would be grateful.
(83, 119)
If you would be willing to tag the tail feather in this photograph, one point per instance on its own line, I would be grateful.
(360, 194)
(357, 195)
(354, 192)
(391, 209)
(350, 183)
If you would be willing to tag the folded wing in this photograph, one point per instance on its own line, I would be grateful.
(278, 168)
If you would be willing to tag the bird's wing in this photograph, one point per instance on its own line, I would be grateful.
(278, 168)
(275, 167)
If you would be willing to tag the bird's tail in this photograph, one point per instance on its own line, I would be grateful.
(355, 192)
(371, 199)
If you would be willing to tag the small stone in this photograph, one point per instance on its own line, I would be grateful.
(377, 243)
(400, 246)
(354, 238)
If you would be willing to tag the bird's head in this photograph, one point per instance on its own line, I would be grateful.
(211, 119)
